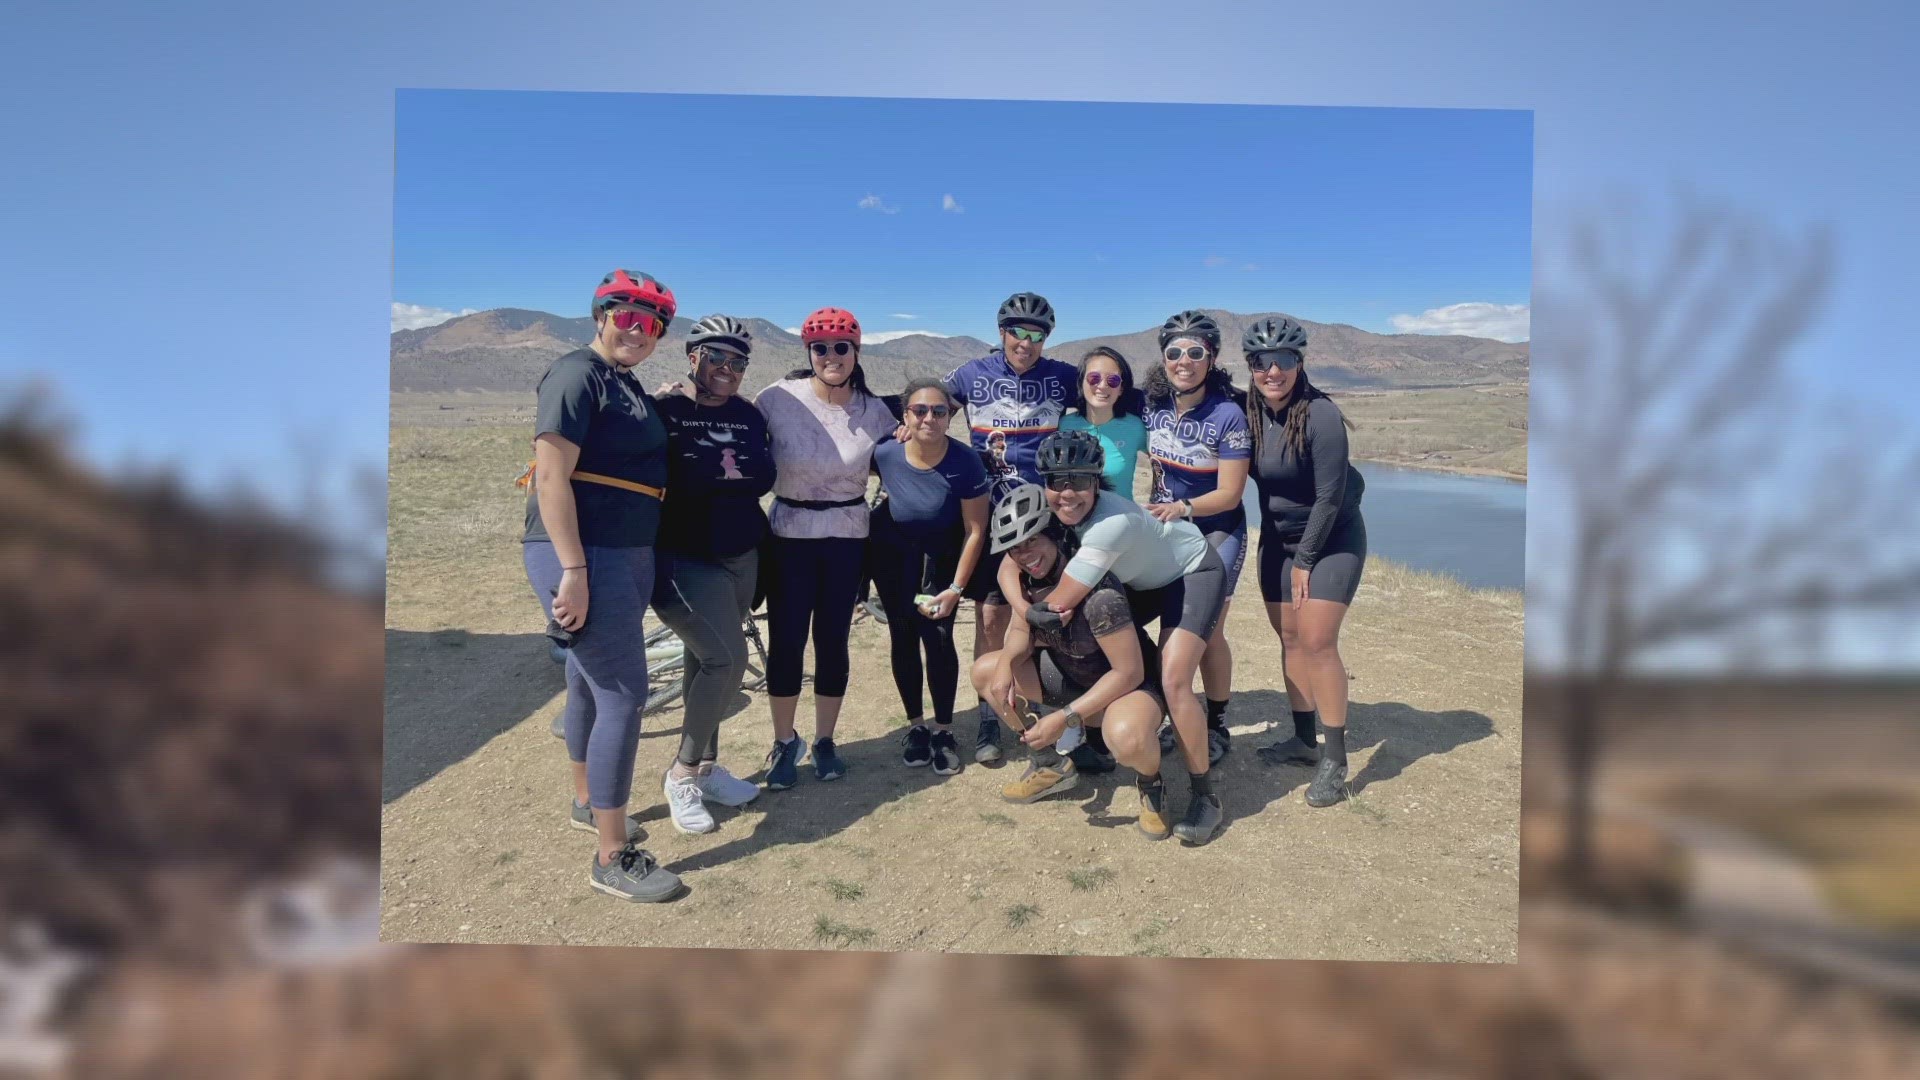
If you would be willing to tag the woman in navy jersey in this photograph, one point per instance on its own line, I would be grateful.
(925, 540)
(1199, 443)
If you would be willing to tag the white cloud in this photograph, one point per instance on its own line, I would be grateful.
(904, 315)
(872, 202)
(1214, 261)
(894, 335)
(951, 205)
(1502, 322)
(415, 316)
(791, 329)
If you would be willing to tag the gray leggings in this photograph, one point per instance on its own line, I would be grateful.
(607, 667)
(706, 602)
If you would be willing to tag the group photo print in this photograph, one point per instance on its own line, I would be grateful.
(956, 526)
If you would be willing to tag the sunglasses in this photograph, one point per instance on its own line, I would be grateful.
(1284, 359)
(840, 348)
(732, 361)
(649, 323)
(1113, 381)
(1024, 334)
(1072, 482)
(938, 412)
(1193, 352)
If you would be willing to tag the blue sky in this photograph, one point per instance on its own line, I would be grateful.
(197, 204)
(1119, 213)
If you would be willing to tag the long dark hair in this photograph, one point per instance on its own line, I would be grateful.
(1130, 402)
(857, 380)
(1294, 409)
(1160, 391)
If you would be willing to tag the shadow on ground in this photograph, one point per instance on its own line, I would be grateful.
(1398, 734)
(450, 692)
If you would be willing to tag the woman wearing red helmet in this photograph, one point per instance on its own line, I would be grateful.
(600, 470)
(824, 424)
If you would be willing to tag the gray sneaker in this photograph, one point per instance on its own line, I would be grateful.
(1290, 751)
(1329, 784)
(634, 875)
(582, 819)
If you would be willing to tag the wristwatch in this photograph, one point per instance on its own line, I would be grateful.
(1073, 718)
(1188, 504)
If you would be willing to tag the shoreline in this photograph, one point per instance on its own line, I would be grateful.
(1457, 470)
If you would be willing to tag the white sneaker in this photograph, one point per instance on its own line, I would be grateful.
(727, 789)
(684, 805)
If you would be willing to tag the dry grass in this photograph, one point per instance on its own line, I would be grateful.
(1472, 429)
(1863, 846)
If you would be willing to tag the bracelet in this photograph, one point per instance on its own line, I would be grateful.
(582, 566)
(957, 588)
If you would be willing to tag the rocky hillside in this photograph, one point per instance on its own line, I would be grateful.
(506, 349)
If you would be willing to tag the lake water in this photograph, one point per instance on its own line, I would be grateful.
(1473, 528)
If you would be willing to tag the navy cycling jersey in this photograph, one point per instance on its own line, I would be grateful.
(1010, 414)
(1187, 452)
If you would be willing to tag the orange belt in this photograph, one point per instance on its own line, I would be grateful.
(596, 478)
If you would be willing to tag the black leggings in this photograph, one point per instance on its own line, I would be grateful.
(815, 583)
(902, 570)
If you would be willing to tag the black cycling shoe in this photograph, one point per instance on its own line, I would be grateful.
(1204, 815)
(919, 746)
(1168, 739)
(1218, 743)
(946, 753)
(1291, 751)
(986, 744)
(1329, 784)
(1088, 760)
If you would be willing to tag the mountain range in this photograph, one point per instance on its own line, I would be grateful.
(507, 349)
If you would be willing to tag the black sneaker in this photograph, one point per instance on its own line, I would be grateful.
(1290, 751)
(1218, 743)
(919, 746)
(1088, 760)
(634, 875)
(1168, 737)
(826, 763)
(1329, 784)
(986, 745)
(946, 753)
(1203, 817)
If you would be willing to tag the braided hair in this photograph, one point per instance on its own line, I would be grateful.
(1294, 410)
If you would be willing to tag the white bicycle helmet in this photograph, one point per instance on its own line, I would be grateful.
(1020, 515)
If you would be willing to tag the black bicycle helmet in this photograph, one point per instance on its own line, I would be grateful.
(1071, 452)
(1026, 307)
(1274, 332)
(723, 331)
(1192, 324)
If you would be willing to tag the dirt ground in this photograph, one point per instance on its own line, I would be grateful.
(1423, 865)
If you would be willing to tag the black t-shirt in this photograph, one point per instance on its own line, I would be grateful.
(719, 465)
(1075, 648)
(619, 432)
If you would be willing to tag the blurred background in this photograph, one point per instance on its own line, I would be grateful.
(1720, 877)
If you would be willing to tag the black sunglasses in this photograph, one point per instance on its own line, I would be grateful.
(939, 412)
(1284, 359)
(1072, 482)
(840, 348)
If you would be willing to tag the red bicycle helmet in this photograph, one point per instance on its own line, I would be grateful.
(627, 287)
(830, 324)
